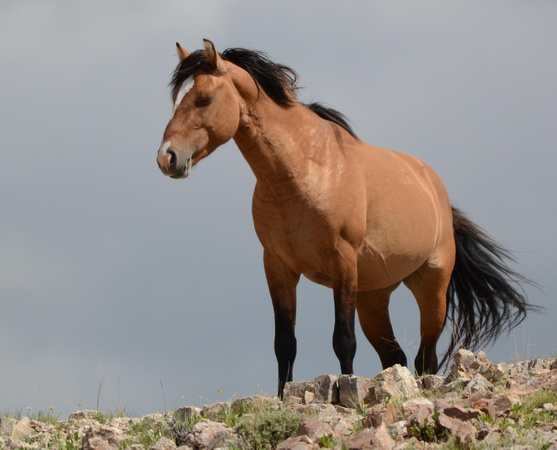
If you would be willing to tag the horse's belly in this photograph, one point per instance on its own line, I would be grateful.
(376, 271)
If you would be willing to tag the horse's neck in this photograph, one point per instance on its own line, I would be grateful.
(278, 142)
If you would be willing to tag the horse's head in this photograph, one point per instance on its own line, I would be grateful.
(206, 111)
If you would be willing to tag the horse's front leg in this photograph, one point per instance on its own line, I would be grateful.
(282, 287)
(344, 290)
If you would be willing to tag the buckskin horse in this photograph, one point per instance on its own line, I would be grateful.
(345, 214)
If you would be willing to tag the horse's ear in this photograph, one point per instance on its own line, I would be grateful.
(182, 52)
(212, 56)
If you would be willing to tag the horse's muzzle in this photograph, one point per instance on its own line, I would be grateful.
(171, 164)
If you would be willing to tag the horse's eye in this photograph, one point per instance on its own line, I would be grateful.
(204, 101)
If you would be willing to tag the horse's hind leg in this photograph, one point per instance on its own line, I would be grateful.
(429, 285)
(373, 313)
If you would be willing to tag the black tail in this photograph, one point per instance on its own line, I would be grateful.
(485, 297)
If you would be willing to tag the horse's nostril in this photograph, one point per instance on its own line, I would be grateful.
(173, 158)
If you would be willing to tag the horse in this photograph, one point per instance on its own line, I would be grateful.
(356, 218)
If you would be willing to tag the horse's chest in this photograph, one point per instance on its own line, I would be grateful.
(298, 233)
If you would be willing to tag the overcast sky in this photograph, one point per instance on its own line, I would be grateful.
(114, 278)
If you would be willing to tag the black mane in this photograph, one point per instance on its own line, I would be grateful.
(332, 115)
(277, 81)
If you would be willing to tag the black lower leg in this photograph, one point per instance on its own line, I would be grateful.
(426, 362)
(285, 348)
(344, 344)
(344, 338)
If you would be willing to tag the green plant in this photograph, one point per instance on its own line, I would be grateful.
(326, 442)
(267, 428)
(429, 431)
(49, 416)
(505, 423)
(146, 433)
(486, 418)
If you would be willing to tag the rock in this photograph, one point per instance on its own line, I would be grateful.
(411, 406)
(439, 404)
(209, 434)
(86, 414)
(382, 439)
(418, 411)
(460, 413)
(255, 402)
(477, 384)
(314, 429)
(164, 443)
(360, 440)
(102, 437)
(366, 439)
(463, 362)
(297, 388)
(420, 416)
(394, 382)
(342, 425)
(453, 386)
(15, 429)
(187, 412)
(387, 424)
(297, 443)
(431, 382)
(352, 390)
(325, 389)
(465, 431)
(513, 369)
(383, 414)
(319, 410)
(215, 409)
(537, 365)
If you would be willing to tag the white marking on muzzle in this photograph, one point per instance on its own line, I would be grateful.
(184, 89)
(164, 147)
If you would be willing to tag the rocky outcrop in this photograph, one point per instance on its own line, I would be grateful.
(503, 405)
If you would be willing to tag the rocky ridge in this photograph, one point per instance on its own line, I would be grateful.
(477, 405)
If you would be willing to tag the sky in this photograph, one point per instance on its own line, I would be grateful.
(123, 289)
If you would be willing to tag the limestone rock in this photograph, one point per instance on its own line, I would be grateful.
(367, 438)
(187, 412)
(360, 440)
(164, 443)
(298, 443)
(255, 401)
(411, 406)
(314, 429)
(325, 389)
(102, 437)
(465, 431)
(15, 429)
(383, 414)
(297, 388)
(382, 439)
(85, 414)
(209, 434)
(431, 382)
(477, 384)
(394, 382)
(352, 390)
